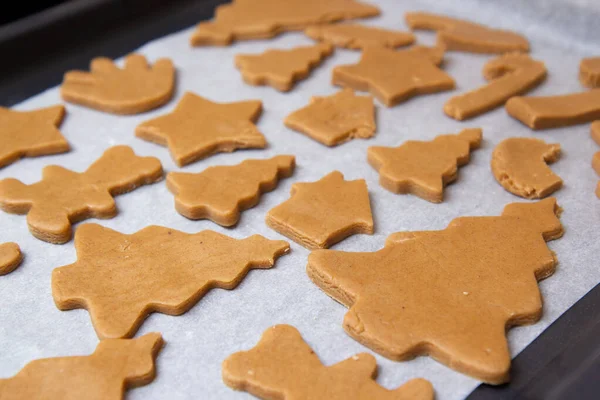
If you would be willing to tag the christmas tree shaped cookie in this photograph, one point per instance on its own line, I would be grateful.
(281, 69)
(198, 128)
(555, 111)
(221, 193)
(520, 166)
(457, 34)
(258, 19)
(589, 72)
(394, 76)
(120, 278)
(335, 119)
(64, 197)
(117, 364)
(320, 214)
(509, 75)
(283, 366)
(355, 36)
(449, 294)
(30, 133)
(134, 89)
(424, 168)
(10, 257)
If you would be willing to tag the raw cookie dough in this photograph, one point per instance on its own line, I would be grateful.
(120, 279)
(283, 366)
(394, 76)
(134, 89)
(449, 294)
(424, 168)
(357, 37)
(260, 19)
(281, 69)
(10, 257)
(555, 111)
(595, 131)
(509, 75)
(520, 166)
(221, 193)
(596, 166)
(335, 119)
(589, 72)
(457, 34)
(64, 197)
(115, 366)
(198, 128)
(31, 133)
(323, 213)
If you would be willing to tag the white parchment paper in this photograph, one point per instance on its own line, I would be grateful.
(189, 367)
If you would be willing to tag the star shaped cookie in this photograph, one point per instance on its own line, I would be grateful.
(30, 133)
(198, 128)
(393, 76)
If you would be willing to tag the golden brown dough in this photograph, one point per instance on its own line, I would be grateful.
(357, 37)
(589, 72)
(10, 257)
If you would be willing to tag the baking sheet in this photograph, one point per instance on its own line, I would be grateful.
(223, 322)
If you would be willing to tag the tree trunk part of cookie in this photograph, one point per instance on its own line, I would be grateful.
(449, 294)
(520, 166)
(460, 35)
(262, 19)
(10, 257)
(220, 193)
(282, 365)
(589, 72)
(509, 75)
(555, 111)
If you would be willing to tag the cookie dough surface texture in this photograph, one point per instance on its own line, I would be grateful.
(449, 294)
(198, 128)
(260, 19)
(461, 35)
(320, 214)
(120, 279)
(589, 72)
(64, 197)
(394, 76)
(520, 166)
(31, 133)
(555, 111)
(424, 168)
(115, 366)
(281, 69)
(283, 366)
(10, 257)
(595, 131)
(596, 166)
(509, 75)
(136, 88)
(357, 37)
(221, 193)
(335, 119)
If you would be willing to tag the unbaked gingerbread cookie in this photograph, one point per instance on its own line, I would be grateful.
(395, 76)
(589, 72)
(320, 214)
(64, 197)
(198, 128)
(424, 168)
(31, 133)
(281, 69)
(509, 75)
(259, 19)
(461, 35)
(136, 88)
(10, 257)
(555, 111)
(335, 119)
(283, 366)
(115, 366)
(120, 279)
(357, 37)
(449, 294)
(221, 193)
(595, 131)
(596, 166)
(520, 166)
